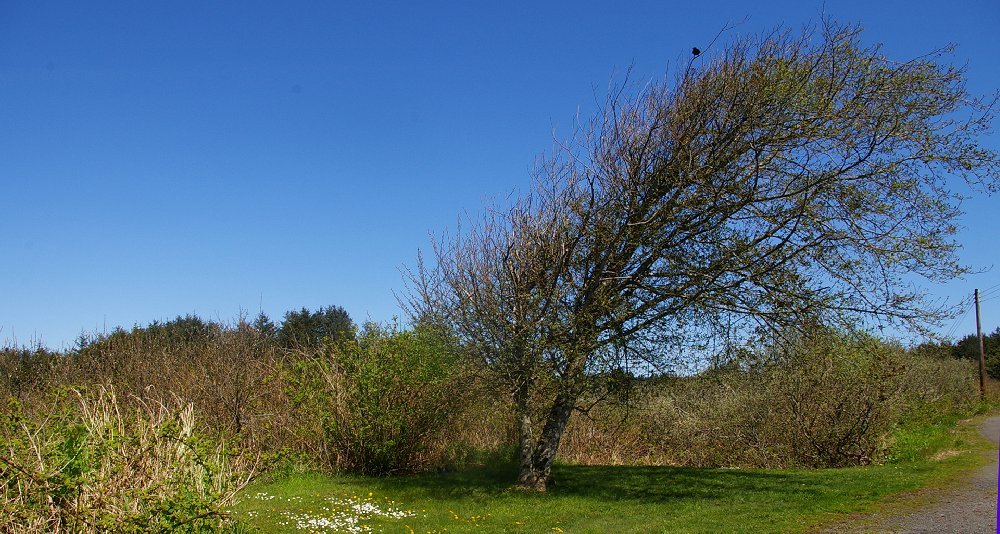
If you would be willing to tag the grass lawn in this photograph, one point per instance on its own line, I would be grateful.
(594, 498)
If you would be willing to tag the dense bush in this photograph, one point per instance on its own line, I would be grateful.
(375, 402)
(224, 370)
(838, 397)
(385, 398)
(90, 463)
(821, 400)
(24, 371)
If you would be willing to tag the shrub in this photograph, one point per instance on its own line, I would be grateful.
(388, 396)
(25, 371)
(821, 400)
(838, 398)
(92, 464)
(225, 370)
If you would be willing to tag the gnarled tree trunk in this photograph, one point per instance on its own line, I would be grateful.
(525, 436)
(535, 474)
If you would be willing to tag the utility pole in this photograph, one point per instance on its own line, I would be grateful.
(982, 351)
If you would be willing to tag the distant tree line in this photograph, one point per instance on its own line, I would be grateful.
(967, 348)
(301, 329)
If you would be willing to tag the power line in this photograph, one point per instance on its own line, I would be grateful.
(993, 297)
(955, 325)
(995, 290)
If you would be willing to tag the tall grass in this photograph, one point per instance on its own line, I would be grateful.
(92, 463)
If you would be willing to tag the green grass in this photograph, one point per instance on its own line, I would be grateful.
(606, 499)
(918, 440)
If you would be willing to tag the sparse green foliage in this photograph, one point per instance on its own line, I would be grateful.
(787, 180)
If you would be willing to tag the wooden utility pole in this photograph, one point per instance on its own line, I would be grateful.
(982, 351)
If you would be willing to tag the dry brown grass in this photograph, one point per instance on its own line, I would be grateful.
(99, 465)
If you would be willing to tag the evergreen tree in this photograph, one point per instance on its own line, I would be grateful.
(304, 329)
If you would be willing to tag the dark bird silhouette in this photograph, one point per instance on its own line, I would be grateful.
(695, 51)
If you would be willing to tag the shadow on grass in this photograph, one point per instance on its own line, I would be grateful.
(657, 484)
(489, 480)
(650, 484)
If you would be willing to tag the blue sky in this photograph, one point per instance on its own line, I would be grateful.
(164, 158)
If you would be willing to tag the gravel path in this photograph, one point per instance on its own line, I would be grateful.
(970, 506)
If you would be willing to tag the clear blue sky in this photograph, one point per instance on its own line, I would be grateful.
(163, 158)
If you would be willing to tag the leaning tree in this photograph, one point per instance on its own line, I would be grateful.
(787, 179)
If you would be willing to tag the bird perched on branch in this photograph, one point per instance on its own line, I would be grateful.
(695, 51)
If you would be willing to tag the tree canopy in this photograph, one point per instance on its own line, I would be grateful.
(308, 329)
(787, 179)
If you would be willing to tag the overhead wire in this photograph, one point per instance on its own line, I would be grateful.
(955, 325)
(995, 290)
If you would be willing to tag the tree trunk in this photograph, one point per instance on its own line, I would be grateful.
(534, 473)
(525, 436)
